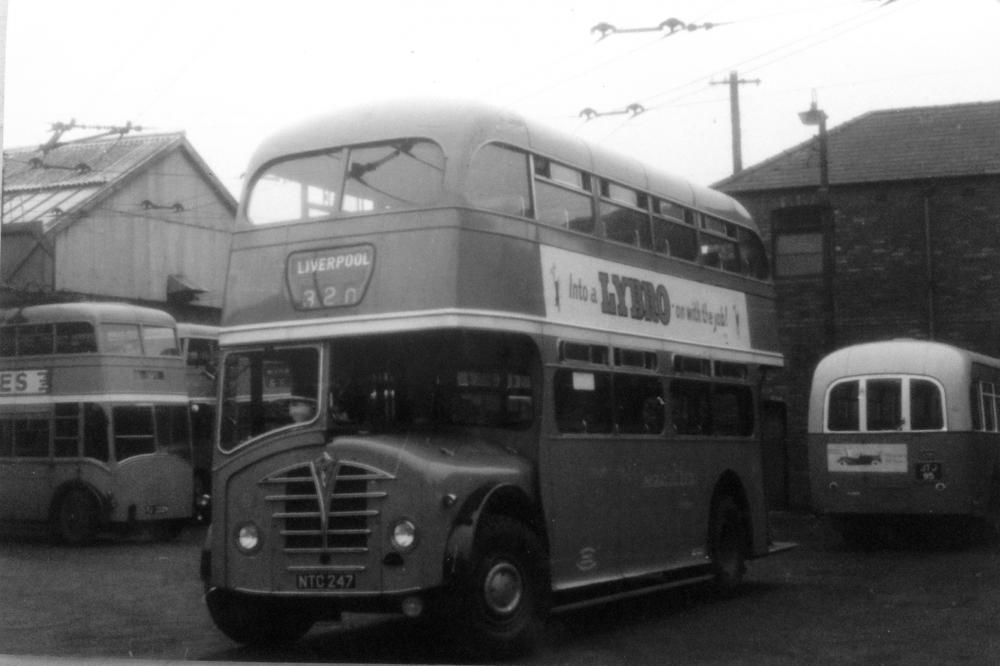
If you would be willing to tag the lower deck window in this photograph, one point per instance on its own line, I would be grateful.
(711, 408)
(134, 434)
(604, 402)
(70, 430)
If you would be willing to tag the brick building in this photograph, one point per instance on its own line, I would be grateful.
(905, 244)
(131, 217)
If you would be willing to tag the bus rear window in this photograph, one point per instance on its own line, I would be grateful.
(885, 404)
(400, 174)
(842, 407)
(346, 181)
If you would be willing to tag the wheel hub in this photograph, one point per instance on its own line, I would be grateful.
(503, 588)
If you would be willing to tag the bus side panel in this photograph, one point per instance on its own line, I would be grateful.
(583, 498)
(154, 487)
(497, 273)
(665, 522)
(889, 473)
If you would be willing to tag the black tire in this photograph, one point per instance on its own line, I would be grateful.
(258, 622)
(503, 597)
(77, 518)
(727, 544)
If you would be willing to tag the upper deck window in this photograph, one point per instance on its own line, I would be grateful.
(627, 223)
(673, 231)
(346, 181)
(159, 341)
(562, 196)
(717, 250)
(752, 255)
(72, 337)
(499, 180)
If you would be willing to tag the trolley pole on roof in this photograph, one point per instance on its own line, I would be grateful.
(734, 83)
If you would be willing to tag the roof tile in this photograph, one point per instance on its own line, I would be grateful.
(895, 144)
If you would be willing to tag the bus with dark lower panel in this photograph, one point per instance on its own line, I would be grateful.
(94, 428)
(903, 431)
(475, 368)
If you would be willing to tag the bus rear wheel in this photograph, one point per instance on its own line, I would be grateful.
(255, 621)
(77, 518)
(501, 601)
(727, 544)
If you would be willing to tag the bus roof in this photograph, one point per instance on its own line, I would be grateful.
(124, 313)
(948, 364)
(186, 329)
(908, 356)
(460, 127)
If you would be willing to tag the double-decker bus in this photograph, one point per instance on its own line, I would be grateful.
(474, 366)
(199, 347)
(94, 428)
(903, 430)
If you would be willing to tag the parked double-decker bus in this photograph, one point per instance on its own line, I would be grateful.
(904, 429)
(474, 366)
(94, 429)
(199, 347)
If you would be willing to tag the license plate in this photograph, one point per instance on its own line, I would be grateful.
(324, 581)
(928, 471)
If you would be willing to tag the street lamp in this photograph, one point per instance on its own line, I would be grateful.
(816, 116)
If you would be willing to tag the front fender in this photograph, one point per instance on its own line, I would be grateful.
(505, 498)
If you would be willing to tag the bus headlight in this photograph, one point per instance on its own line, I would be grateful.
(404, 535)
(248, 538)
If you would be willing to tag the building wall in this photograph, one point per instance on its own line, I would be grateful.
(912, 259)
(122, 249)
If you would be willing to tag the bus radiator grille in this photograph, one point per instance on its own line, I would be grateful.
(326, 510)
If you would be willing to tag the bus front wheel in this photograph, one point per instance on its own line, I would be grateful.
(255, 621)
(77, 517)
(501, 599)
(727, 544)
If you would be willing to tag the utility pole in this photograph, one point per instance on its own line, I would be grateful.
(734, 115)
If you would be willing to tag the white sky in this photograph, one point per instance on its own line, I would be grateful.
(229, 72)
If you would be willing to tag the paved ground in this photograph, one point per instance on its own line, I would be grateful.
(931, 600)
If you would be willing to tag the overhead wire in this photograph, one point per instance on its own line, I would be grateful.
(850, 24)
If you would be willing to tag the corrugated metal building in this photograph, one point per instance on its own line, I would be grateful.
(906, 244)
(128, 217)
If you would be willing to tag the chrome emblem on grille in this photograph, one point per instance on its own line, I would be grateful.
(325, 466)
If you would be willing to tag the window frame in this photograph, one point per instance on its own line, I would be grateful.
(905, 399)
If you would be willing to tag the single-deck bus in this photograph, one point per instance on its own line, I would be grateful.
(474, 365)
(94, 429)
(904, 428)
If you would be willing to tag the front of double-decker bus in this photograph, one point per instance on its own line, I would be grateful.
(377, 392)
